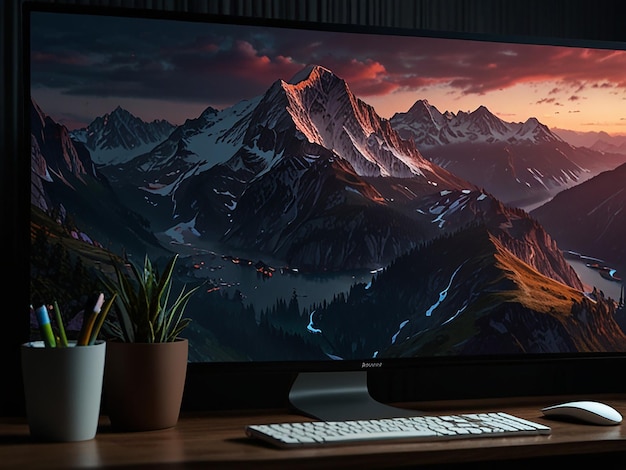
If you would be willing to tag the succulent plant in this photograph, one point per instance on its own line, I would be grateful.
(144, 311)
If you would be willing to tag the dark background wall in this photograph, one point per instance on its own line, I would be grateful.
(558, 19)
(597, 19)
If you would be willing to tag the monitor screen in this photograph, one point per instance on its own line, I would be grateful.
(348, 198)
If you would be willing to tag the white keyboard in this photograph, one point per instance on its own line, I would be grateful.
(420, 428)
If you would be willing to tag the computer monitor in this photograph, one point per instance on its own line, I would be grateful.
(351, 199)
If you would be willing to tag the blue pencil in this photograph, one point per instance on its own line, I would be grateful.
(44, 327)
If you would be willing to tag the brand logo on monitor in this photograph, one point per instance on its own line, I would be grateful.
(369, 365)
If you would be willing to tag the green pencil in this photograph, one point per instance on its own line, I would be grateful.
(57, 315)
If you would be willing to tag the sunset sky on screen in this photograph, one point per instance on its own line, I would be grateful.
(85, 66)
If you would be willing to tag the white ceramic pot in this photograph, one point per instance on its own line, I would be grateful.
(63, 390)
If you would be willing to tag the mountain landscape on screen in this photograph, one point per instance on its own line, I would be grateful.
(323, 231)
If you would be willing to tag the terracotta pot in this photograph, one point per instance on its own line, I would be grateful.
(144, 383)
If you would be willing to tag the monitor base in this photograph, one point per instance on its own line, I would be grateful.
(339, 396)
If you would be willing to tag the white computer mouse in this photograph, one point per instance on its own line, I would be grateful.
(592, 412)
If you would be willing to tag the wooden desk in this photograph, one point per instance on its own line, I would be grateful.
(217, 440)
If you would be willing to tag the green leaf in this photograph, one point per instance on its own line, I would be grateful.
(142, 302)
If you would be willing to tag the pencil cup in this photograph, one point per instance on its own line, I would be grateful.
(62, 390)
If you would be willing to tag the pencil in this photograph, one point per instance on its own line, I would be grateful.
(88, 322)
(57, 315)
(44, 327)
(100, 321)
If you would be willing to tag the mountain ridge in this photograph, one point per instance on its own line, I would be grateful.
(523, 163)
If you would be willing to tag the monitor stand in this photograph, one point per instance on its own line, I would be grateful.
(339, 396)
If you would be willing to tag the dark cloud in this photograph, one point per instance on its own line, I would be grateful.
(220, 64)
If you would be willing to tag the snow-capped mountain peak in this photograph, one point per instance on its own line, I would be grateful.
(310, 72)
(535, 131)
(317, 99)
(430, 128)
(119, 136)
(523, 163)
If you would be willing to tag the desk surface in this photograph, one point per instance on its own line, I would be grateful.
(217, 440)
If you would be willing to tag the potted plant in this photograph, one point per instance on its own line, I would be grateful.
(146, 361)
